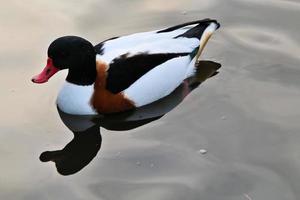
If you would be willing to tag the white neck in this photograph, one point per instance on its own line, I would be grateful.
(75, 99)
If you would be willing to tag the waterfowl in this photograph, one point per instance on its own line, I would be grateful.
(127, 72)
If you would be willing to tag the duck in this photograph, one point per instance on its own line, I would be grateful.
(127, 72)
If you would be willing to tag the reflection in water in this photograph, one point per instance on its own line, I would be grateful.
(86, 129)
(77, 153)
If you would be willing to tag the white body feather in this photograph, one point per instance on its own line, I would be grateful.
(75, 99)
(149, 42)
(159, 82)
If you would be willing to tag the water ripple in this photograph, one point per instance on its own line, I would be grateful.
(262, 38)
(288, 4)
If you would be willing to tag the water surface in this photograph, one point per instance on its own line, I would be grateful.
(247, 117)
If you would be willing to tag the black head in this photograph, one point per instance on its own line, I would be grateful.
(73, 53)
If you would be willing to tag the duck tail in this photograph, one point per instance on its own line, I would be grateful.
(208, 28)
(203, 31)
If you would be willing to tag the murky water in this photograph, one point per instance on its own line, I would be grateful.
(246, 118)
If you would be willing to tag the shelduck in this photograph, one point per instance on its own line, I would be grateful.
(127, 72)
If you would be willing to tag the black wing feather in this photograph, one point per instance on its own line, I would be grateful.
(195, 32)
(203, 21)
(99, 47)
(124, 70)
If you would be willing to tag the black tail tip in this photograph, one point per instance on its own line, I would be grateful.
(216, 22)
(218, 25)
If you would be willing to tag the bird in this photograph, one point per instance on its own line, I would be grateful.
(126, 72)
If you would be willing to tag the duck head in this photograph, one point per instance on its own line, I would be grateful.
(73, 53)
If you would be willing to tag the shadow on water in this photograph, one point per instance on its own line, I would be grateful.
(86, 129)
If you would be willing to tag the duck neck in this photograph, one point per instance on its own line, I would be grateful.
(85, 74)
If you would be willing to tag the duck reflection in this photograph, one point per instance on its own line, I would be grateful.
(86, 129)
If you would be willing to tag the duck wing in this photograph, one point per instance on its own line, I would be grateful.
(124, 71)
(156, 59)
(177, 39)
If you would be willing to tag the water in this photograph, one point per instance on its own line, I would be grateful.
(251, 153)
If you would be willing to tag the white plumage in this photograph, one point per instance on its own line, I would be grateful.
(159, 82)
(150, 42)
(163, 79)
